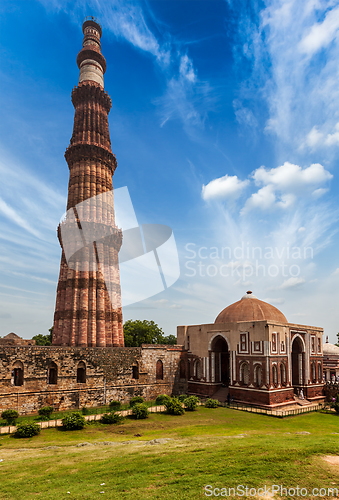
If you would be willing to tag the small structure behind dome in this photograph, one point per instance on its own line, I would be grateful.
(331, 362)
(252, 350)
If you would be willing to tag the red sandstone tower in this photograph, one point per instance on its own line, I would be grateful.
(88, 303)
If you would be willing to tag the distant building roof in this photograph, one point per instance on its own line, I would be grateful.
(330, 349)
(12, 335)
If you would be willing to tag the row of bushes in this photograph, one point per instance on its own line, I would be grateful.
(10, 416)
(76, 420)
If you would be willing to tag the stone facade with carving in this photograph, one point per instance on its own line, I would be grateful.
(253, 351)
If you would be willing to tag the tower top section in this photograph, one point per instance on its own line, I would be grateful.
(92, 21)
(90, 60)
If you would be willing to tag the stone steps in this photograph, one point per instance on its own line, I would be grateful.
(302, 402)
(221, 394)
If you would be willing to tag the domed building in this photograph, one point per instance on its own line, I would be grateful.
(331, 362)
(253, 350)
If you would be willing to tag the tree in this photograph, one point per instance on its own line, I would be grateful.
(170, 340)
(145, 332)
(41, 339)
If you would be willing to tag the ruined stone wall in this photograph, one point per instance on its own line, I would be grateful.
(109, 375)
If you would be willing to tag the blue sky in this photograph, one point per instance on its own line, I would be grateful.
(225, 125)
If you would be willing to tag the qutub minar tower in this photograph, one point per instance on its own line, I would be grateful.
(84, 315)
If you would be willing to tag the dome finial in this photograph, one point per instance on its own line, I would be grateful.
(249, 295)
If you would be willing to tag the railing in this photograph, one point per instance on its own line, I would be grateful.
(274, 413)
(91, 18)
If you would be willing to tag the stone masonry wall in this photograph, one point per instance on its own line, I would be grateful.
(109, 375)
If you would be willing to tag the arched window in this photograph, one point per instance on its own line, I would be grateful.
(135, 371)
(18, 373)
(53, 373)
(275, 375)
(189, 369)
(244, 373)
(159, 370)
(81, 373)
(258, 375)
(319, 373)
(282, 374)
(313, 372)
(198, 369)
(182, 369)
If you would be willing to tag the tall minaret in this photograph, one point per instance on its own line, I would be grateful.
(88, 303)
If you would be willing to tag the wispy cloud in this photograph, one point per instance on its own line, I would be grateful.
(9, 212)
(292, 283)
(186, 97)
(283, 42)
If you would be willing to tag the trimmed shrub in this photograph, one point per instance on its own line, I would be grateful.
(174, 407)
(191, 403)
(335, 403)
(111, 418)
(140, 411)
(161, 399)
(182, 397)
(211, 403)
(45, 412)
(73, 421)
(135, 400)
(85, 410)
(114, 405)
(10, 416)
(27, 430)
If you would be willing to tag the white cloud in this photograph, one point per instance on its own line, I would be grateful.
(224, 187)
(295, 83)
(314, 138)
(292, 282)
(290, 176)
(264, 199)
(321, 34)
(283, 184)
(319, 192)
(333, 139)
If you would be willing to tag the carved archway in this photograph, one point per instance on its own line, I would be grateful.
(221, 355)
(298, 362)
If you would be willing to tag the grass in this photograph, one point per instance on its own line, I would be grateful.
(220, 447)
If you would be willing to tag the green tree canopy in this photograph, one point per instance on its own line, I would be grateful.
(145, 332)
(41, 339)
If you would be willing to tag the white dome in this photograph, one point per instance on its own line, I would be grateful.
(330, 349)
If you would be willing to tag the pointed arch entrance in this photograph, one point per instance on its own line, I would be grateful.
(298, 363)
(221, 355)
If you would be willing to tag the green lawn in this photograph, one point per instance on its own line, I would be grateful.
(220, 447)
